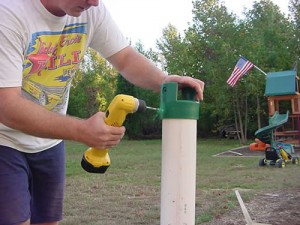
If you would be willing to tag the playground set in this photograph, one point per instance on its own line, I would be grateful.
(282, 136)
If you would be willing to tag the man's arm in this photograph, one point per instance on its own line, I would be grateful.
(19, 113)
(140, 71)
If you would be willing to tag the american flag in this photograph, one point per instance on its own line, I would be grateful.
(241, 68)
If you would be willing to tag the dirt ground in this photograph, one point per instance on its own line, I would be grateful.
(266, 208)
(280, 207)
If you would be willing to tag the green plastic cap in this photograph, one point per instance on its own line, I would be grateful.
(171, 107)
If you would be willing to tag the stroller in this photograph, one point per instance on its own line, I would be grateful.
(277, 156)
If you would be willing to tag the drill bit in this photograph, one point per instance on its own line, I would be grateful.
(152, 108)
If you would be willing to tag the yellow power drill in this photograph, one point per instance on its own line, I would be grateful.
(97, 160)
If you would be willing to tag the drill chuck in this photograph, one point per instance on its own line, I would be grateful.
(141, 105)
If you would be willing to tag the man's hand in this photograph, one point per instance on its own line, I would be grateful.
(99, 134)
(185, 81)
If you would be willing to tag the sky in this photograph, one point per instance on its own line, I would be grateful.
(144, 20)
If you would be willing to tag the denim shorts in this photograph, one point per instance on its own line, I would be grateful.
(31, 185)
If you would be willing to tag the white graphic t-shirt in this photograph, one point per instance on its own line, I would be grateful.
(40, 52)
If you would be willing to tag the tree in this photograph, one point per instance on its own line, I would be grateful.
(93, 86)
(294, 8)
(205, 52)
(267, 44)
(145, 124)
(210, 49)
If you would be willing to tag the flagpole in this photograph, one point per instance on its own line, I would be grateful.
(259, 70)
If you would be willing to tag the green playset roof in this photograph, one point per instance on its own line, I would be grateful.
(281, 83)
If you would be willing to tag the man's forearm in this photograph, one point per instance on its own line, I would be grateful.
(140, 71)
(137, 69)
(20, 114)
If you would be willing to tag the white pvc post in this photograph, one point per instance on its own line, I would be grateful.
(178, 181)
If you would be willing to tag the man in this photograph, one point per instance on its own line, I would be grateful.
(41, 45)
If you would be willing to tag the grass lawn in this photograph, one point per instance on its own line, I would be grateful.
(129, 191)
